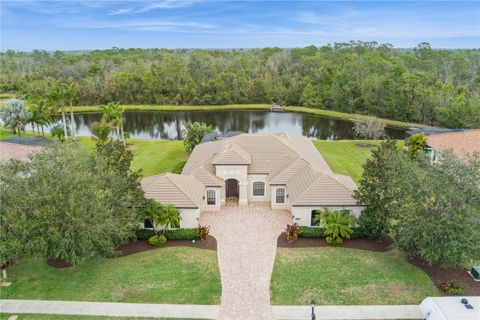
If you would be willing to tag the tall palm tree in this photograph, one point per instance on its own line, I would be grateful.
(70, 91)
(56, 101)
(113, 113)
(40, 116)
(169, 217)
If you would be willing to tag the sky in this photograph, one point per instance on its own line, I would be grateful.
(84, 25)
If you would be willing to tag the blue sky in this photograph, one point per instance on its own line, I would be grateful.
(74, 25)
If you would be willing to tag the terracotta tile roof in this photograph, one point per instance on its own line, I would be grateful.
(462, 144)
(17, 151)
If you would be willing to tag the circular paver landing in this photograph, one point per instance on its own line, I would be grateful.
(246, 245)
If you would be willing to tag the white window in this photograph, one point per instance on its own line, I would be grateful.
(259, 188)
(280, 195)
(211, 197)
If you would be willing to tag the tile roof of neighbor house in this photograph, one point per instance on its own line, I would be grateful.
(462, 144)
(17, 151)
(183, 191)
(288, 159)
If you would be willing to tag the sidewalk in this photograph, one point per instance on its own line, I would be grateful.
(204, 311)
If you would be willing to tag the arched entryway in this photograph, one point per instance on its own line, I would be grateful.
(232, 191)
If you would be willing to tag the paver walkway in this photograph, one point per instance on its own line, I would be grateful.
(246, 245)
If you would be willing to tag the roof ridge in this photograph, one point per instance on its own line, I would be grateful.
(181, 189)
(290, 165)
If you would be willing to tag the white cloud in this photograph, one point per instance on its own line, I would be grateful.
(119, 11)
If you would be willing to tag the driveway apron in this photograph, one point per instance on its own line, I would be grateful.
(246, 243)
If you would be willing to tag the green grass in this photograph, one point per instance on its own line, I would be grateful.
(169, 275)
(183, 275)
(345, 157)
(264, 107)
(340, 276)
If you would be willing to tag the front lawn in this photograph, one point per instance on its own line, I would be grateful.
(341, 276)
(345, 157)
(169, 275)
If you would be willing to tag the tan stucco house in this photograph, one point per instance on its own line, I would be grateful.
(284, 170)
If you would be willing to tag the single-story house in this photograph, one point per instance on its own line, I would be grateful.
(284, 170)
(463, 144)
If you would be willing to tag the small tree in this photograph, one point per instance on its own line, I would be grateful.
(153, 212)
(101, 131)
(57, 131)
(337, 225)
(371, 128)
(193, 134)
(15, 116)
(416, 144)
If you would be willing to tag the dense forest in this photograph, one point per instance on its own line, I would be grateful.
(438, 87)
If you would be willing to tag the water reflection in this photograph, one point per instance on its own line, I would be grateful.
(168, 124)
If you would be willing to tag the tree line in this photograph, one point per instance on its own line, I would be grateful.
(423, 85)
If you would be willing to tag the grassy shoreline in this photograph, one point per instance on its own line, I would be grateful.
(262, 107)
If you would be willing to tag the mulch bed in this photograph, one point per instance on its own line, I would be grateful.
(440, 274)
(58, 263)
(143, 245)
(360, 243)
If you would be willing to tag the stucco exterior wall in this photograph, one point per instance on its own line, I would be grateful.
(302, 215)
(189, 218)
(254, 178)
(238, 172)
(218, 195)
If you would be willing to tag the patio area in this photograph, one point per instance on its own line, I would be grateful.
(246, 243)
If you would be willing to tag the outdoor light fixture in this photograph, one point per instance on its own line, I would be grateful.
(313, 309)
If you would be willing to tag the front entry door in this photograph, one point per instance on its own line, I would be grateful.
(231, 188)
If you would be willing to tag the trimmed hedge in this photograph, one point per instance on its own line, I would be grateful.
(177, 234)
(317, 232)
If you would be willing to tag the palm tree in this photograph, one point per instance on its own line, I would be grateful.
(101, 130)
(169, 217)
(15, 116)
(56, 101)
(337, 225)
(70, 91)
(113, 113)
(40, 116)
(153, 211)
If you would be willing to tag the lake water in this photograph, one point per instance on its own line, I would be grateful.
(168, 124)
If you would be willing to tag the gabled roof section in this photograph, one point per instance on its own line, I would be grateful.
(183, 191)
(325, 190)
(289, 172)
(206, 177)
(462, 144)
(232, 154)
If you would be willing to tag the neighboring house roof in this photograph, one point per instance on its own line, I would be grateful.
(462, 144)
(429, 132)
(212, 136)
(232, 154)
(183, 191)
(17, 151)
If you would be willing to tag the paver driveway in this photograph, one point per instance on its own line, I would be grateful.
(246, 243)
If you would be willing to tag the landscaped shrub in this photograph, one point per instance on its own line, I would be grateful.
(182, 234)
(202, 232)
(145, 234)
(312, 232)
(451, 288)
(157, 241)
(176, 234)
(292, 232)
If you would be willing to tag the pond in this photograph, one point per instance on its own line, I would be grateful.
(168, 124)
